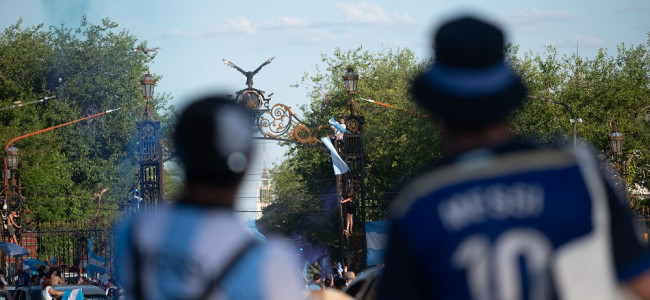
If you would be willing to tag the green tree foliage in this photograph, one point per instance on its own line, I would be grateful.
(173, 181)
(398, 144)
(607, 92)
(90, 69)
(297, 212)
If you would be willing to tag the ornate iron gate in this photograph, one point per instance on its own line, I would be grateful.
(279, 123)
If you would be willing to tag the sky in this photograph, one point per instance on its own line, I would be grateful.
(194, 36)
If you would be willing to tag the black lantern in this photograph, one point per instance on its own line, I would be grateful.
(350, 79)
(616, 142)
(12, 156)
(148, 84)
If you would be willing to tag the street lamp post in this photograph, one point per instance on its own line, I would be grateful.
(12, 158)
(350, 80)
(353, 181)
(150, 150)
(12, 192)
(616, 146)
(147, 83)
(616, 140)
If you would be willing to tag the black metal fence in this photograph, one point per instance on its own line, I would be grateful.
(68, 242)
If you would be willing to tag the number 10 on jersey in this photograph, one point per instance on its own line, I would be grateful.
(493, 268)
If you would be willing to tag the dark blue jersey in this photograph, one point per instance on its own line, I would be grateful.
(23, 279)
(525, 224)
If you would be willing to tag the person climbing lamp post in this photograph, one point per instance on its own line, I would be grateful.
(350, 80)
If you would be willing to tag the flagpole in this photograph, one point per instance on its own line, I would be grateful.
(390, 106)
(90, 250)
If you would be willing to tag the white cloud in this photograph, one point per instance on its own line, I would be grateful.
(588, 40)
(176, 32)
(284, 22)
(404, 18)
(363, 12)
(237, 26)
(297, 30)
(309, 37)
(532, 15)
(371, 13)
(583, 41)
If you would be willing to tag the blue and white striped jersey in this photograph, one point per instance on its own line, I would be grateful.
(182, 247)
(521, 223)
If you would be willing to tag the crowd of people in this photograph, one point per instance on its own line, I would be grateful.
(330, 287)
(47, 277)
(339, 280)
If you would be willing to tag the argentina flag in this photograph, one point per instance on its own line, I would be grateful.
(75, 294)
(337, 125)
(376, 241)
(33, 263)
(250, 224)
(95, 262)
(339, 165)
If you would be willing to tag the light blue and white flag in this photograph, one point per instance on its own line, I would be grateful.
(339, 165)
(95, 262)
(250, 224)
(304, 271)
(33, 263)
(338, 126)
(75, 294)
(376, 241)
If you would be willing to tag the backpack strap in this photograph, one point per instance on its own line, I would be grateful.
(212, 284)
(216, 280)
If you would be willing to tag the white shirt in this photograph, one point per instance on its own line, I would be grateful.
(337, 132)
(46, 293)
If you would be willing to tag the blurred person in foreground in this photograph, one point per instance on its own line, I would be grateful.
(499, 219)
(196, 248)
